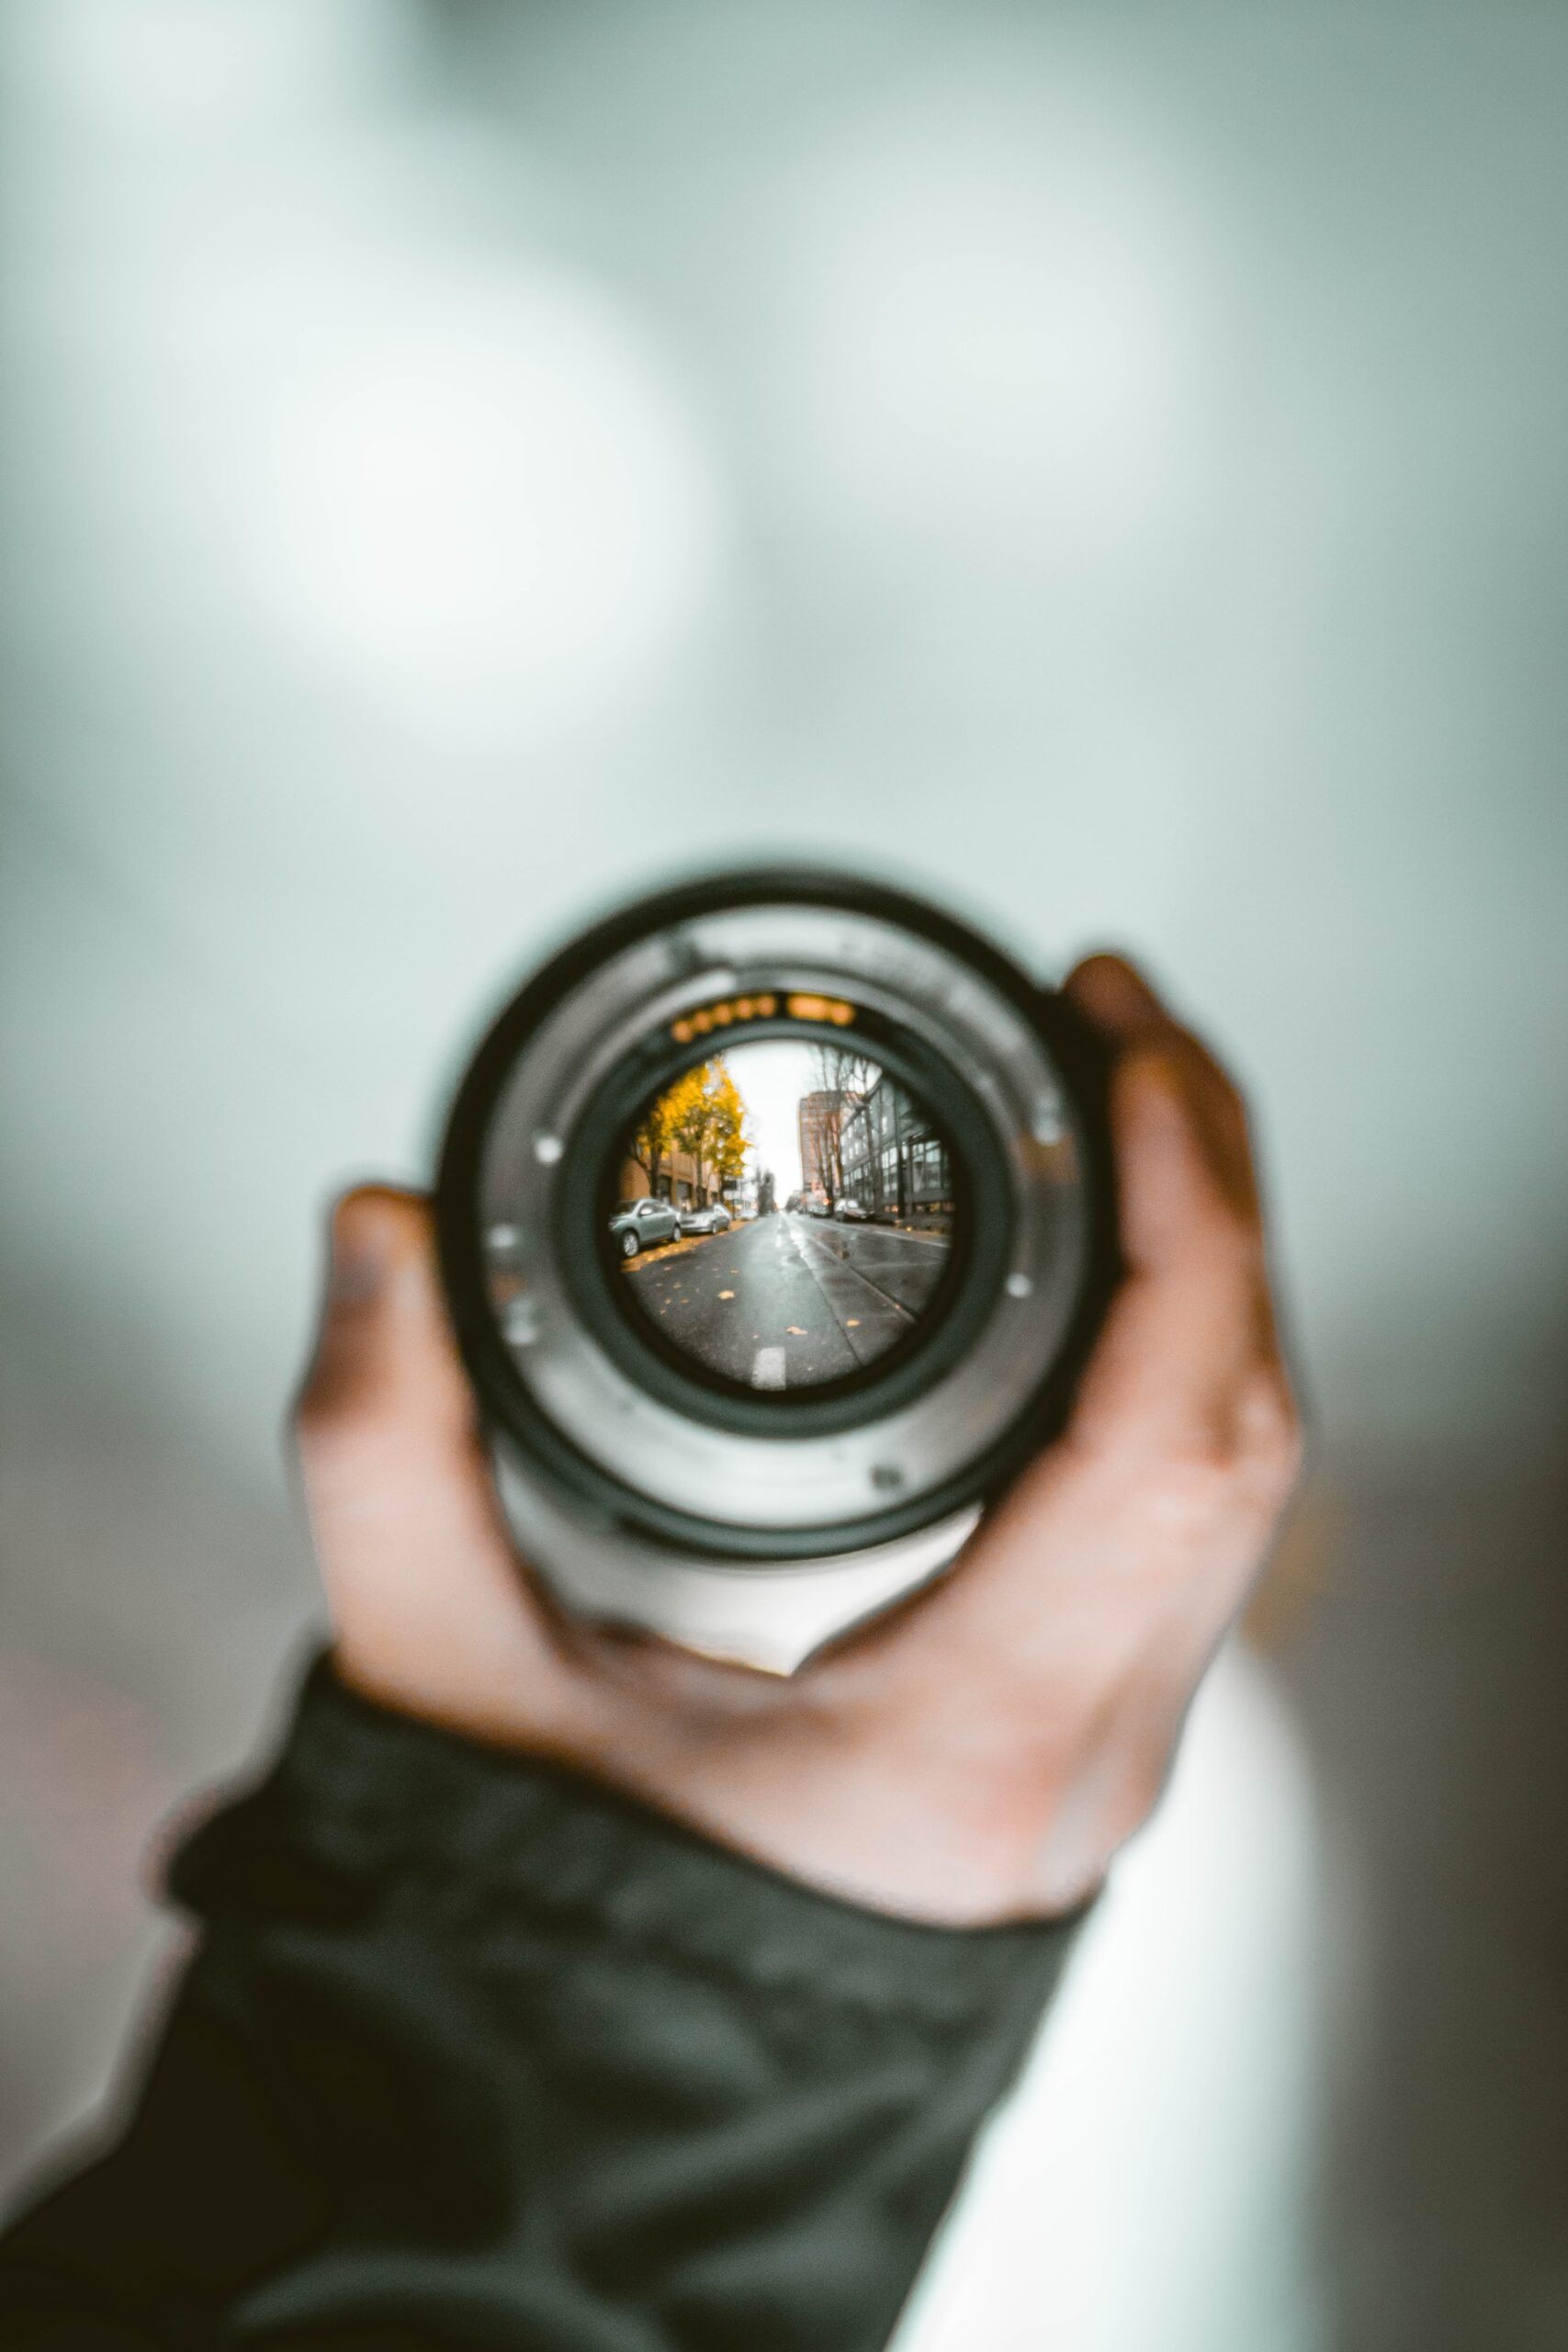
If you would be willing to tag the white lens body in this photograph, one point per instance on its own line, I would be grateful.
(772, 1618)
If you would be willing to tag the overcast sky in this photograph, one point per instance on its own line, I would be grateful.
(771, 1077)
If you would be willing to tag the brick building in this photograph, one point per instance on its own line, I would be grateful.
(820, 1117)
(678, 1181)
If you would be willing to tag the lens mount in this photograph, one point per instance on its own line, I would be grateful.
(581, 1391)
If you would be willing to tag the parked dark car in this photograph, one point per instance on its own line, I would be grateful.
(852, 1211)
(714, 1218)
(643, 1225)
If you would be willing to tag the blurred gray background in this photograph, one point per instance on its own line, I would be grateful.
(460, 462)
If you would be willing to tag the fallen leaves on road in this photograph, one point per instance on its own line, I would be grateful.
(794, 1330)
(726, 1294)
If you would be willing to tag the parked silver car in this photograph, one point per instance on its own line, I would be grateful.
(643, 1225)
(714, 1218)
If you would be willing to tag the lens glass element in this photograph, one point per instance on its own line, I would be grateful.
(785, 1211)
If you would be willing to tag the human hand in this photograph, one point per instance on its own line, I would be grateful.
(980, 1753)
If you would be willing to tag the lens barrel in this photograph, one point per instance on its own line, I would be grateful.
(776, 1220)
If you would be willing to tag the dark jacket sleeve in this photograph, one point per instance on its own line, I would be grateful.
(473, 2052)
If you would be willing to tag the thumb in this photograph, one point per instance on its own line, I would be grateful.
(422, 1584)
(384, 1353)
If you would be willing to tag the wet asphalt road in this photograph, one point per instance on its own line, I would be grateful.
(788, 1301)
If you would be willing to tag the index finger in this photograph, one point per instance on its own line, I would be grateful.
(1192, 1319)
(1114, 997)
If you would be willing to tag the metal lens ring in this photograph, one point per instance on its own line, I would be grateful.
(590, 1391)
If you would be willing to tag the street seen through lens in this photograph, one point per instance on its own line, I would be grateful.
(785, 1213)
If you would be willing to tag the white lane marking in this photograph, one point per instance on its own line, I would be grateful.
(768, 1368)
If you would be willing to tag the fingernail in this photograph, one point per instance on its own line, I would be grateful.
(1156, 1096)
(1156, 1073)
(358, 1259)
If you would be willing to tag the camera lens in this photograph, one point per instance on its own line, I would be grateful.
(775, 1219)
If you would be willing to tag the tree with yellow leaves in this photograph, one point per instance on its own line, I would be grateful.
(655, 1136)
(706, 1117)
(731, 1138)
